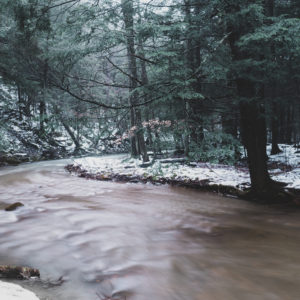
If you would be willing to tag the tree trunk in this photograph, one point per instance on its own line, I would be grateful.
(269, 11)
(144, 79)
(43, 100)
(197, 105)
(253, 126)
(275, 148)
(20, 103)
(67, 128)
(127, 10)
(133, 143)
(254, 136)
(289, 127)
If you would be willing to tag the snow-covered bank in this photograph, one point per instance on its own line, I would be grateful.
(284, 167)
(11, 291)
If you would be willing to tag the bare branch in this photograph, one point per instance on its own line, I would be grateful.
(125, 73)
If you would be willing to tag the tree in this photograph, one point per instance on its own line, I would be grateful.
(138, 145)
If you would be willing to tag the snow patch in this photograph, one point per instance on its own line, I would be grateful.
(215, 173)
(11, 291)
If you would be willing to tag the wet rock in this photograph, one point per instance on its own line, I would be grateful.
(17, 272)
(3, 205)
(11, 160)
(14, 206)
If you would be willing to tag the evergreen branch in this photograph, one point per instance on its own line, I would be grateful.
(98, 82)
(123, 72)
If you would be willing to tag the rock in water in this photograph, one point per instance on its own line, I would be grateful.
(11, 291)
(14, 206)
(18, 272)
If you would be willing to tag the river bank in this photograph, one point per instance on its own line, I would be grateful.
(224, 179)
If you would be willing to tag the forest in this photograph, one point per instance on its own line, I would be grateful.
(212, 81)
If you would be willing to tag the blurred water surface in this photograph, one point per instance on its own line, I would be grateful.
(108, 240)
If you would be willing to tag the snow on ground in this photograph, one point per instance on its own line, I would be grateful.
(215, 173)
(11, 291)
(288, 156)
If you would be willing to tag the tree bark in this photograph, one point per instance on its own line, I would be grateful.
(253, 125)
(275, 148)
(138, 145)
(43, 100)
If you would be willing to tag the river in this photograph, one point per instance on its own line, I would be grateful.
(110, 240)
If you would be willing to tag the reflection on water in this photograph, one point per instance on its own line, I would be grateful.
(144, 242)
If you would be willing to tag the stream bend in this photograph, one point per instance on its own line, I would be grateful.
(108, 240)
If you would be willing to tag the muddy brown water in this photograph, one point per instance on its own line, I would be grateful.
(143, 242)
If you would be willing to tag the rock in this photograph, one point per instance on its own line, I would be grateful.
(12, 159)
(3, 205)
(13, 272)
(11, 291)
(13, 206)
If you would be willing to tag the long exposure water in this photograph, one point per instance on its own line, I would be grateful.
(104, 240)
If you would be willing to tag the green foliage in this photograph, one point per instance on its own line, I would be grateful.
(216, 147)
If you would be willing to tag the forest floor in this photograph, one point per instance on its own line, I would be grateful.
(284, 167)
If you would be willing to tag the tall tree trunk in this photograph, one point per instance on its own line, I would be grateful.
(281, 128)
(133, 142)
(136, 117)
(275, 125)
(193, 107)
(253, 125)
(27, 106)
(289, 126)
(189, 61)
(20, 103)
(197, 105)
(253, 128)
(144, 79)
(42, 107)
(269, 11)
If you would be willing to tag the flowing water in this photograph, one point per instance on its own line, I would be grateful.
(108, 240)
